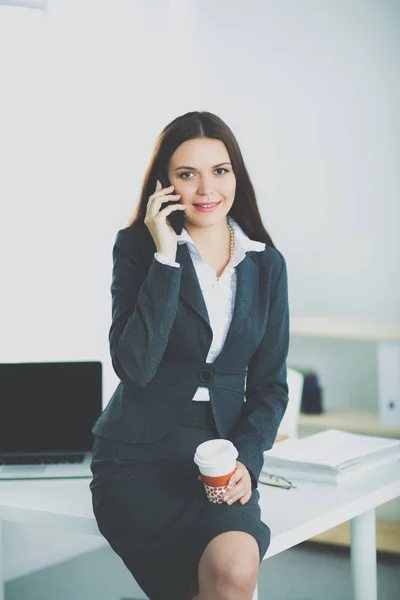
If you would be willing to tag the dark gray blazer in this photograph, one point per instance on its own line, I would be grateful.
(160, 337)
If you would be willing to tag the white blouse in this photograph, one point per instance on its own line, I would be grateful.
(219, 292)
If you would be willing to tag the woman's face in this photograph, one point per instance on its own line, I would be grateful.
(201, 172)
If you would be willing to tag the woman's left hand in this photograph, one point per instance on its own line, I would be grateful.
(241, 482)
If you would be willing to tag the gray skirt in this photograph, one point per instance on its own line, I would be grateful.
(153, 511)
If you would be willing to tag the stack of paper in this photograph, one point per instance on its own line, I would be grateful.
(331, 456)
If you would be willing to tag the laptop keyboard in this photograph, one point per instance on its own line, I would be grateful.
(46, 459)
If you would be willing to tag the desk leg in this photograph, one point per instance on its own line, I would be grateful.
(255, 594)
(363, 556)
(2, 592)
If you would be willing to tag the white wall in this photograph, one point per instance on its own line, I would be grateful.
(310, 88)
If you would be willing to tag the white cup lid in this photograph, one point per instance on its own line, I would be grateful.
(215, 452)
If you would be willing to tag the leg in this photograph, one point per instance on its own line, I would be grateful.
(228, 568)
(363, 556)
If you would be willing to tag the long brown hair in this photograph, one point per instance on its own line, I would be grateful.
(203, 124)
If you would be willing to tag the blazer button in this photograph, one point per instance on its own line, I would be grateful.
(206, 375)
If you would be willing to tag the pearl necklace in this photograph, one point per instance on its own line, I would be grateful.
(232, 240)
(232, 244)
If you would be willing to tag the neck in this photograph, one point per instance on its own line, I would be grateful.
(211, 236)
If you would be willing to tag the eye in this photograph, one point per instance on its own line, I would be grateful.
(190, 173)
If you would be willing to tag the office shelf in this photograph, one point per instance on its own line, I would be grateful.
(386, 335)
(387, 536)
(356, 422)
(345, 328)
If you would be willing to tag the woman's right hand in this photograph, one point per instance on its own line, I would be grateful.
(161, 230)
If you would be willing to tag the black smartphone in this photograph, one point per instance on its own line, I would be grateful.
(176, 218)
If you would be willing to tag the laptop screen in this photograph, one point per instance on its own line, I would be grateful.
(49, 407)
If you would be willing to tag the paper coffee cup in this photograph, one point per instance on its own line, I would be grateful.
(216, 460)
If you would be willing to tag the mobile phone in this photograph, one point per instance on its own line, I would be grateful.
(176, 218)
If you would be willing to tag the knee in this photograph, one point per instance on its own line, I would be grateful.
(236, 575)
(229, 566)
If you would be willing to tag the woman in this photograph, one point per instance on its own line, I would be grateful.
(199, 339)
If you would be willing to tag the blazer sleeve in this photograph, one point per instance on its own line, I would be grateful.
(165, 260)
(266, 384)
(144, 306)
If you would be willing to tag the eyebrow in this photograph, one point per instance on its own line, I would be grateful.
(194, 168)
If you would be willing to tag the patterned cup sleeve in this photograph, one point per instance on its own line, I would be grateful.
(216, 494)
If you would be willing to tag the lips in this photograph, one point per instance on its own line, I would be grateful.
(207, 207)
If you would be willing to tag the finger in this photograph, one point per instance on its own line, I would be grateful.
(154, 206)
(161, 192)
(237, 474)
(158, 188)
(236, 478)
(233, 496)
(169, 209)
(169, 198)
(239, 491)
(246, 498)
(159, 200)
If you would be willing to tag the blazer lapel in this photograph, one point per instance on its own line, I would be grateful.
(190, 287)
(246, 289)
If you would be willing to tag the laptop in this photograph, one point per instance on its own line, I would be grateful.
(47, 411)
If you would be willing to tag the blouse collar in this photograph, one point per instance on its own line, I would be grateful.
(243, 243)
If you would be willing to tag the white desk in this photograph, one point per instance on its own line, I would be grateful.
(293, 515)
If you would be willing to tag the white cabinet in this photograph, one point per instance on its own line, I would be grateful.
(385, 421)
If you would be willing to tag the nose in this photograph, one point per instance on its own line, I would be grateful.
(205, 185)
